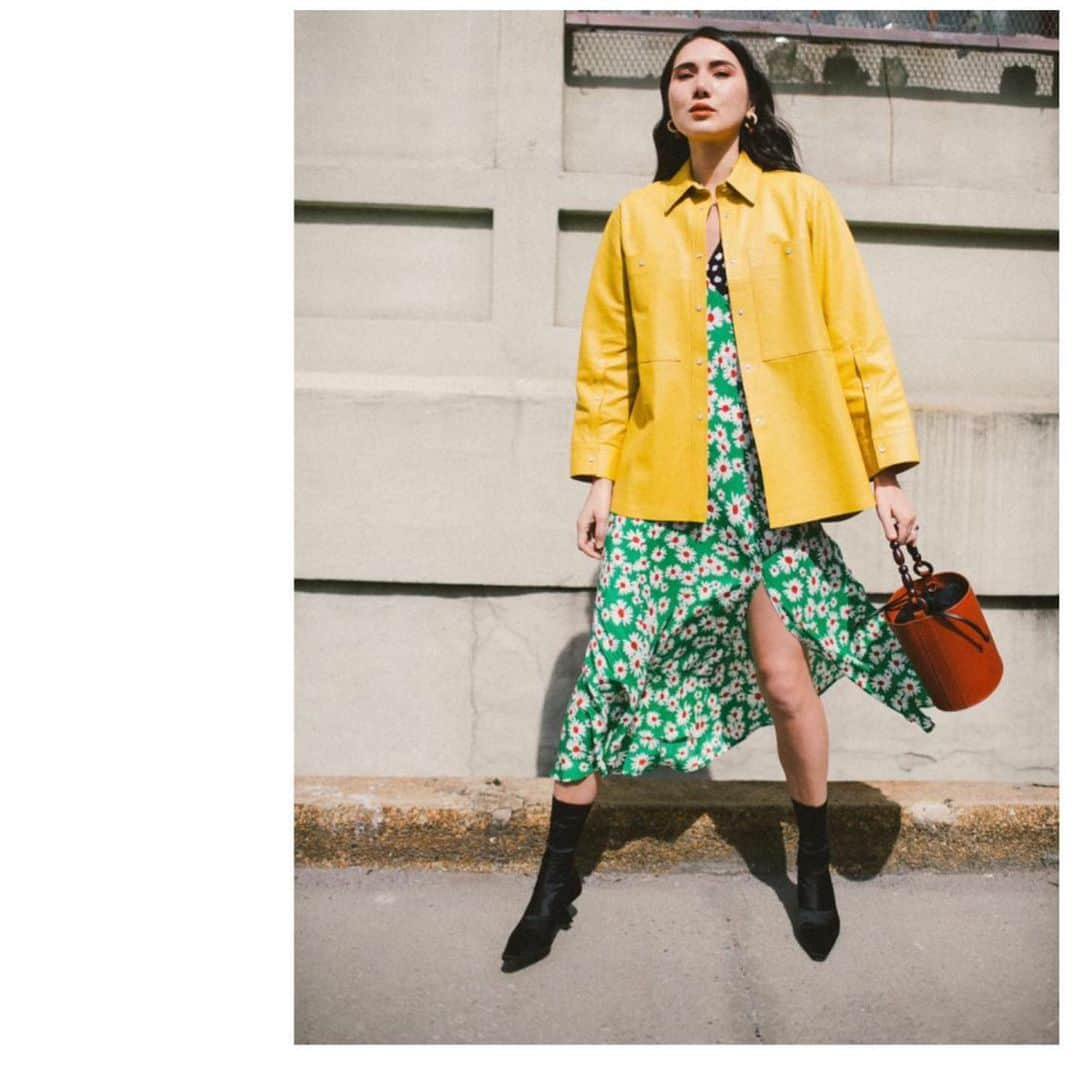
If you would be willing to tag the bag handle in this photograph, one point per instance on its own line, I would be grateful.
(915, 597)
(917, 562)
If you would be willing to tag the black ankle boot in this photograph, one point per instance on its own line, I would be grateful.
(557, 884)
(817, 925)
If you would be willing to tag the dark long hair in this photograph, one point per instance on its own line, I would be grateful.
(770, 143)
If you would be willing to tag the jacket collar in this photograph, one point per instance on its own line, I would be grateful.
(744, 178)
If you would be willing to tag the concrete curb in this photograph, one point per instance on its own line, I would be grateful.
(651, 823)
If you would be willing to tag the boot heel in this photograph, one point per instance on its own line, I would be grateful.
(567, 916)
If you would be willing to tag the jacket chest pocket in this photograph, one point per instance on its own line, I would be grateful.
(786, 302)
(657, 296)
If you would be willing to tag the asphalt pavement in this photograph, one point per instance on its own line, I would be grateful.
(704, 955)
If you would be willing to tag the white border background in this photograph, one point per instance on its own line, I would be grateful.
(148, 641)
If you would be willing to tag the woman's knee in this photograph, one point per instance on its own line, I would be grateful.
(577, 791)
(785, 680)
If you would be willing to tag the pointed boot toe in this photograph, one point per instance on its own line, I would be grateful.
(817, 932)
(550, 910)
(817, 924)
(531, 939)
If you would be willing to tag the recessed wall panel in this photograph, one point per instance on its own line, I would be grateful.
(397, 86)
(393, 263)
(852, 140)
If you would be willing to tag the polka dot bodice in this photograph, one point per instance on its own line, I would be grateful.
(716, 272)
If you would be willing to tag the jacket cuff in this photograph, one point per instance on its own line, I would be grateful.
(896, 449)
(596, 459)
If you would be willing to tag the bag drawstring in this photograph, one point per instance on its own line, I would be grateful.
(898, 601)
(912, 595)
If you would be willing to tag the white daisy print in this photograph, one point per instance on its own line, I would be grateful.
(667, 679)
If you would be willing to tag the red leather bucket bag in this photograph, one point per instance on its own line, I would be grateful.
(940, 625)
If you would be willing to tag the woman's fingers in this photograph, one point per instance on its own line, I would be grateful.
(898, 518)
(909, 530)
(886, 518)
(586, 543)
(906, 528)
(600, 531)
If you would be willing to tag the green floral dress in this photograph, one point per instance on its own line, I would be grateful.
(668, 677)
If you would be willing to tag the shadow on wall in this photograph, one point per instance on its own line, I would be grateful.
(564, 675)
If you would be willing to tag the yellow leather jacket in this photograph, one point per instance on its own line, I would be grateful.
(827, 405)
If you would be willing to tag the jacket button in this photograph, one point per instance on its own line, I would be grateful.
(698, 308)
(882, 448)
(641, 264)
(592, 459)
(866, 386)
(747, 366)
(701, 416)
(759, 419)
(787, 250)
(701, 256)
(740, 311)
(700, 361)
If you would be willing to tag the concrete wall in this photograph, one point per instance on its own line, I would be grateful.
(449, 206)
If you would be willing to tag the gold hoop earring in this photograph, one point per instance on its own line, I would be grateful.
(672, 128)
(751, 115)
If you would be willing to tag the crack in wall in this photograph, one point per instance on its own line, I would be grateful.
(474, 650)
(526, 644)
(892, 133)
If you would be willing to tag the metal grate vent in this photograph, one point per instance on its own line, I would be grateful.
(807, 58)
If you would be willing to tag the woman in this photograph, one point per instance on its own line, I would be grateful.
(722, 604)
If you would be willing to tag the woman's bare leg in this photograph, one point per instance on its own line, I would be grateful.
(802, 731)
(583, 791)
(802, 742)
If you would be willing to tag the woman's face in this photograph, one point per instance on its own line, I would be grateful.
(708, 96)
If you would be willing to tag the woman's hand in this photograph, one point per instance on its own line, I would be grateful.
(592, 522)
(894, 509)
